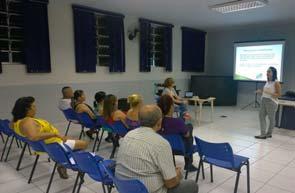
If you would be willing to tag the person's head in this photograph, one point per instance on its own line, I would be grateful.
(24, 107)
(169, 82)
(166, 105)
(272, 74)
(135, 100)
(100, 96)
(79, 96)
(67, 92)
(150, 116)
(110, 105)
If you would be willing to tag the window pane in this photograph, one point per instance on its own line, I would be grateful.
(16, 20)
(17, 57)
(17, 46)
(15, 7)
(3, 33)
(4, 56)
(3, 5)
(17, 34)
(3, 19)
(4, 45)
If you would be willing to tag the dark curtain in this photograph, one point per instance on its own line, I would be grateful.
(193, 50)
(144, 65)
(117, 43)
(85, 40)
(36, 37)
(0, 61)
(168, 49)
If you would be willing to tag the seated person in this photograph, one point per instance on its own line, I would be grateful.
(98, 103)
(111, 112)
(177, 126)
(81, 107)
(67, 98)
(169, 90)
(145, 155)
(135, 102)
(26, 125)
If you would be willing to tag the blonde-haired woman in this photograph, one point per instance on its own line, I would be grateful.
(135, 101)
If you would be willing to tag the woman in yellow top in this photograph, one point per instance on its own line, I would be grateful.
(26, 125)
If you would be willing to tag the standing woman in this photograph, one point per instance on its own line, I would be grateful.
(269, 103)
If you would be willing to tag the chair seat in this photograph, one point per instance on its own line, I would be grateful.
(238, 162)
(97, 177)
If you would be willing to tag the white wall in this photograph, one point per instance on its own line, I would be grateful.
(221, 52)
(15, 82)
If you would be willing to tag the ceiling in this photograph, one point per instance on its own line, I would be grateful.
(195, 13)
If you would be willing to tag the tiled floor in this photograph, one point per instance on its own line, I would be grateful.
(272, 161)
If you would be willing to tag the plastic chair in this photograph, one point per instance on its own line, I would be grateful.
(61, 156)
(87, 122)
(119, 130)
(126, 186)
(178, 148)
(221, 155)
(4, 128)
(71, 117)
(91, 165)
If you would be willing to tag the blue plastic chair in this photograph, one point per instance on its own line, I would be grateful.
(126, 186)
(221, 155)
(91, 165)
(178, 148)
(119, 130)
(71, 117)
(61, 156)
(87, 122)
(5, 129)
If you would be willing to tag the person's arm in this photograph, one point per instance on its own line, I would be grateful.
(32, 131)
(173, 182)
(82, 108)
(120, 116)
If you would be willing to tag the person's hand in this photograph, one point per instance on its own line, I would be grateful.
(187, 116)
(178, 172)
(259, 91)
(63, 138)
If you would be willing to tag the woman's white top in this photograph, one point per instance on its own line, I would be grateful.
(270, 87)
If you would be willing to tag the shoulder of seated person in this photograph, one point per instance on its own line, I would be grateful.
(27, 121)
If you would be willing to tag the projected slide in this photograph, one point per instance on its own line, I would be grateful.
(253, 59)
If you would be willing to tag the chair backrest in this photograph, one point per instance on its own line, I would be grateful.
(86, 121)
(126, 186)
(59, 154)
(176, 142)
(218, 151)
(70, 115)
(119, 128)
(4, 127)
(89, 164)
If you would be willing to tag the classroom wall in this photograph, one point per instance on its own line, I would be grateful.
(15, 82)
(220, 55)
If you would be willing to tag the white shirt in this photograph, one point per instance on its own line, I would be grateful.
(64, 104)
(147, 156)
(270, 88)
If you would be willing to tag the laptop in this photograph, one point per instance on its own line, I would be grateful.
(188, 94)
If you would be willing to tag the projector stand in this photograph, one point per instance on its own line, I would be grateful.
(255, 102)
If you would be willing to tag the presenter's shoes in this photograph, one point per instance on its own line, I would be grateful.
(190, 168)
(268, 136)
(260, 137)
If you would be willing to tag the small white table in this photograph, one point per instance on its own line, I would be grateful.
(197, 101)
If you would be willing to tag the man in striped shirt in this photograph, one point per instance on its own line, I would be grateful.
(146, 156)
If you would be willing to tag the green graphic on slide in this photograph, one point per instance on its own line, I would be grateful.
(240, 77)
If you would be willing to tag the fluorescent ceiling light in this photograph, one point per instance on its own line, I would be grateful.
(239, 5)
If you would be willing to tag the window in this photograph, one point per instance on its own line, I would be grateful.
(102, 41)
(11, 31)
(156, 49)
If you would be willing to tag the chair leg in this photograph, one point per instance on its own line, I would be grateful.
(4, 148)
(21, 157)
(199, 169)
(237, 181)
(103, 188)
(99, 142)
(30, 150)
(9, 148)
(17, 144)
(51, 178)
(211, 172)
(203, 173)
(186, 174)
(33, 169)
(2, 137)
(95, 141)
(110, 187)
(68, 127)
(113, 152)
(174, 159)
(82, 131)
(115, 145)
(81, 182)
(76, 182)
(248, 177)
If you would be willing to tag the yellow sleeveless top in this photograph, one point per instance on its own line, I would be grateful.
(45, 127)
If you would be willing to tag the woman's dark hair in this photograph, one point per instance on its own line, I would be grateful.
(165, 103)
(77, 94)
(109, 105)
(21, 107)
(168, 82)
(274, 73)
(98, 97)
